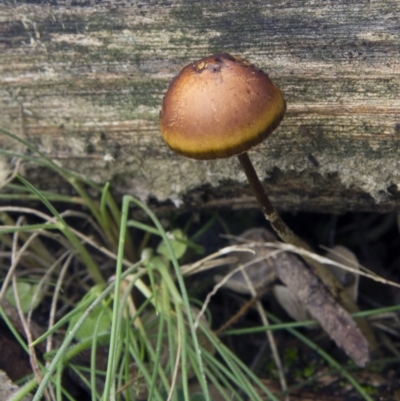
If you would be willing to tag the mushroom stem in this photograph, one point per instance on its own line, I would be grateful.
(270, 213)
(288, 236)
(283, 231)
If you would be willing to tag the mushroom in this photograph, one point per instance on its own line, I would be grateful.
(221, 106)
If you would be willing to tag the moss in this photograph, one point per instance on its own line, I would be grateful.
(370, 390)
(132, 99)
(291, 356)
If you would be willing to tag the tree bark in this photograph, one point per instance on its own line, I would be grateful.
(90, 77)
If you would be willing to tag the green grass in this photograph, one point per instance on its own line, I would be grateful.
(116, 346)
(152, 345)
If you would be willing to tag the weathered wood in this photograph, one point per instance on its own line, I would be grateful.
(91, 75)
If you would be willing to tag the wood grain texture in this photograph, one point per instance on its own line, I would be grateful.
(91, 75)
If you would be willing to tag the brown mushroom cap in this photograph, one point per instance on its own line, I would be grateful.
(218, 107)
